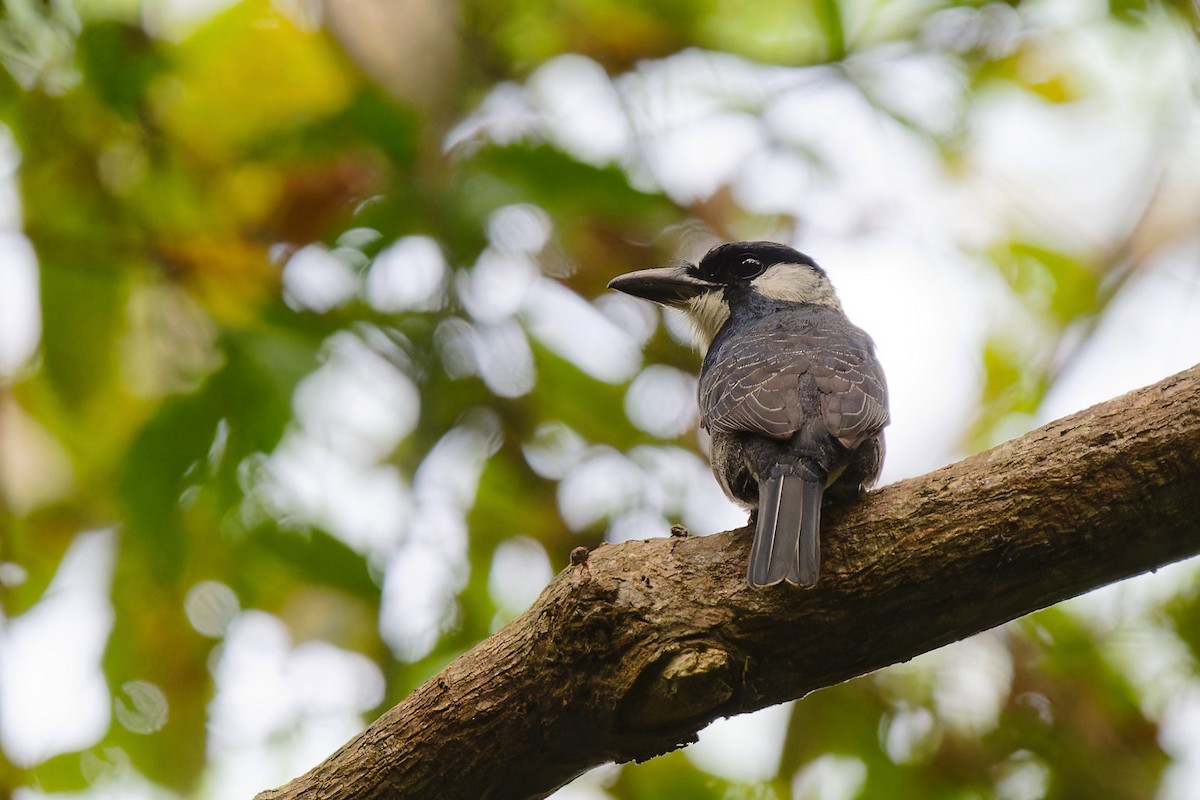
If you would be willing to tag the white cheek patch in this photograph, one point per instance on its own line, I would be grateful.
(796, 283)
(707, 312)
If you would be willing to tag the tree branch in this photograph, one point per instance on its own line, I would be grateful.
(628, 654)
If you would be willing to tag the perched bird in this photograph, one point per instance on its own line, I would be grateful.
(790, 391)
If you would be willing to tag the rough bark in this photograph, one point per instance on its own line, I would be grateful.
(629, 653)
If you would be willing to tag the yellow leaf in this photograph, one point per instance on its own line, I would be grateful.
(249, 73)
(231, 277)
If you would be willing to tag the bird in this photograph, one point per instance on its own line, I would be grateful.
(790, 391)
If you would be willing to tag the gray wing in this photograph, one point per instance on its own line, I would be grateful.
(754, 384)
(853, 390)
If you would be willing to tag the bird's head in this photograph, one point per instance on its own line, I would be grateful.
(729, 275)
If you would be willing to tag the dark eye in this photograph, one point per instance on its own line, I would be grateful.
(749, 267)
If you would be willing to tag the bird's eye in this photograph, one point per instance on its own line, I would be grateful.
(749, 267)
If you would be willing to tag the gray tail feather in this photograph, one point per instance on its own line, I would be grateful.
(787, 538)
(805, 571)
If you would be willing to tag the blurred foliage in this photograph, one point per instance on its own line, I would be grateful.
(171, 176)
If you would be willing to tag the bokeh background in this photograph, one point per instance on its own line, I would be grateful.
(309, 379)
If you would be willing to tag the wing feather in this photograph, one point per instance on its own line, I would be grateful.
(754, 381)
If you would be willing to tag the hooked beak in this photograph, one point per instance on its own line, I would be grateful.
(668, 286)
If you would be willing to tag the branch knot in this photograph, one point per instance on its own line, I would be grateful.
(679, 686)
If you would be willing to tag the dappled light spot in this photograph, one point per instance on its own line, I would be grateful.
(359, 684)
(305, 482)
(143, 707)
(359, 402)
(519, 228)
(358, 238)
(520, 570)
(722, 143)
(662, 401)
(744, 748)
(972, 683)
(35, 468)
(685, 489)
(604, 484)
(315, 279)
(910, 735)
(554, 449)
(496, 287)
(497, 353)
(504, 359)
(311, 696)
(637, 523)
(452, 339)
(329, 470)
(830, 777)
(12, 574)
(638, 319)
(53, 695)
(249, 671)
(449, 474)
(503, 117)
(421, 580)
(640, 492)
(20, 320)
(114, 775)
(210, 607)
(423, 576)
(769, 181)
(1022, 777)
(408, 275)
(581, 109)
(573, 328)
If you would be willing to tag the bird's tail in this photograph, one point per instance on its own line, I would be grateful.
(787, 541)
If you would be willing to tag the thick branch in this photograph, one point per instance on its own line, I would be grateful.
(628, 654)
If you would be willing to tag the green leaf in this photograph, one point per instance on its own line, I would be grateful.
(1064, 285)
(83, 310)
(673, 775)
(120, 61)
(617, 33)
(62, 773)
(591, 407)
(252, 394)
(1183, 612)
(370, 117)
(312, 556)
(776, 31)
